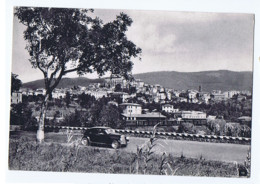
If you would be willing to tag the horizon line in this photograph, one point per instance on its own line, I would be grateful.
(146, 73)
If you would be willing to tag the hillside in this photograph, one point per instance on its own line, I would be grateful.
(208, 80)
(64, 83)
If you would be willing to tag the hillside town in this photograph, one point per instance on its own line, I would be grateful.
(144, 105)
(184, 110)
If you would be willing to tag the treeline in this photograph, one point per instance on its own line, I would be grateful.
(229, 110)
(81, 111)
(217, 127)
(84, 110)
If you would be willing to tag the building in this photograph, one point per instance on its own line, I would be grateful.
(161, 95)
(114, 80)
(176, 93)
(40, 91)
(204, 97)
(149, 119)
(122, 95)
(131, 108)
(182, 99)
(210, 117)
(169, 95)
(16, 97)
(132, 114)
(26, 91)
(97, 94)
(230, 94)
(192, 96)
(241, 97)
(195, 117)
(246, 120)
(169, 108)
(156, 99)
(58, 93)
(140, 84)
(217, 97)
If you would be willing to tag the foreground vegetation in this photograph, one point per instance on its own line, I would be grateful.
(25, 154)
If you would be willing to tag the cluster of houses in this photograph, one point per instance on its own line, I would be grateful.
(134, 115)
(151, 93)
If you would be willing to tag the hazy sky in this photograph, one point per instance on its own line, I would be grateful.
(171, 41)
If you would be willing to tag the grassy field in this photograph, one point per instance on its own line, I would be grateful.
(26, 154)
(191, 149)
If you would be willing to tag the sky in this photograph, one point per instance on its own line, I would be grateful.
(170, 41)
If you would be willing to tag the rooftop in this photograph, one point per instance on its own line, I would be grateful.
(150, 115)
(167, 105)
(133, 104)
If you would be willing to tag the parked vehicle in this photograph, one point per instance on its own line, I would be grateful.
(104, 136)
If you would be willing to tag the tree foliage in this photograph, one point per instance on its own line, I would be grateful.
(67, 99)
(110, 116)
(21, 114)
(61, 41)
(86, 100)
(15, 83)
(187, 128)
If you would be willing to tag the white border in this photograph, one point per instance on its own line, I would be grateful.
(230, 6)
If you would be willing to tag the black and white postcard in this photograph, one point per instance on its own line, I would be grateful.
(130, 92)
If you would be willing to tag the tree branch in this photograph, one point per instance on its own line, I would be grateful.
(54, 73)
(52, 61)
(58, 79)
(71, 70)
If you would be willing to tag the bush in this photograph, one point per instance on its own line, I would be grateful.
(187, 128)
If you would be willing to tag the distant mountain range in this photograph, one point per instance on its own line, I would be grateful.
(208, 80)
(64, 83)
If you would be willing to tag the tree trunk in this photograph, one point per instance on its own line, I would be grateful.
(41, 121)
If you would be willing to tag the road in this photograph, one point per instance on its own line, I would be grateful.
(210, 151)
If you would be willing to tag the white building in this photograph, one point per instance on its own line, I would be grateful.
(169, 95)
(131, 108)
(169, 108)
(124, 96)
(162, 96)
(230, 94)
(97, 94)
(16, 97)
(193, 115)
(40, 91)
(58, 94)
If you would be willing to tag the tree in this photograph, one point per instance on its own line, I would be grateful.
(187, 128)
(15, 83)
(110, 116)
(118, 88)
(21, 114)
(86, 100)
(67, 99)
(61, 41)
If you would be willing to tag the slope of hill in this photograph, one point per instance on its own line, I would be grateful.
(208, 80)
(64, 83)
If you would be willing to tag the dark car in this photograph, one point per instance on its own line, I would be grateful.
(104, 136)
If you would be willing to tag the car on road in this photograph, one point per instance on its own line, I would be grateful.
(104, 136)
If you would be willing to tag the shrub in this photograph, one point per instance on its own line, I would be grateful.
(187, 128)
